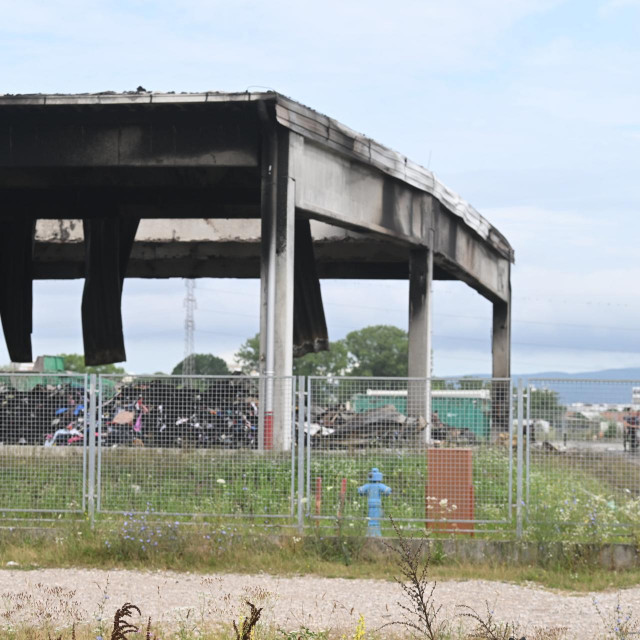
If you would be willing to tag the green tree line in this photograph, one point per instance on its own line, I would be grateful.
(379, 350)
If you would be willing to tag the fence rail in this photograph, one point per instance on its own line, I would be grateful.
(546, 458)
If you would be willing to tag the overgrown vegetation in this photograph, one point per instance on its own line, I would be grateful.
(420, 615)
(145, 542)
(52, 613)
(571, 497)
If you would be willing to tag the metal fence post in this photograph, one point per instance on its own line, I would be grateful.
(91, 489)
(308, 444)
(528, 444)
(301, 434)
(261, 412)
(291, 412)
(510, 449)
(85, 443)
(519, 461)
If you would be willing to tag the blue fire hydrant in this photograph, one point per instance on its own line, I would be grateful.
(374, 490)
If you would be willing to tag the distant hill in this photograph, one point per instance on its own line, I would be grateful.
(632, 373)
(603, 386)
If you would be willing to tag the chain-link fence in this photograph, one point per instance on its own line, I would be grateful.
(443, 447)
(194, 445)
(552, 459)
(42, 451)
(582, 465)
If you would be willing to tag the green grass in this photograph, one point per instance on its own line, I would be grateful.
(572, 496)
(142, 543)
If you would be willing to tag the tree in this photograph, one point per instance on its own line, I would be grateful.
(470, 384)
(74, 363)
(334, 362)
(380, 350)
(248, 355)
(205, 364)
(545, 405)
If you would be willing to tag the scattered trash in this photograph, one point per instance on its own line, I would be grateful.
(175, 413)
(339, 426)
(124, 417)
(203, 412)
(45, 414)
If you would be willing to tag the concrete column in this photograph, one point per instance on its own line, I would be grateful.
(285, 233)
(276, 273)
(501, 365)
(419, 391)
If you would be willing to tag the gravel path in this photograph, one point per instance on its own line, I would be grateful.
(318, 603)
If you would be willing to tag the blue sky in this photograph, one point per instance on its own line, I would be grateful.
(530, 109)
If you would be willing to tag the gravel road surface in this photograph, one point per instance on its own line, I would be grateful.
(317, 603)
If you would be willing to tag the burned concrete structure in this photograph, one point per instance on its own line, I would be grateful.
(233, 182)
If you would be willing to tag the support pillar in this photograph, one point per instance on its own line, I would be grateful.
(501, 366)
(419, 391)
(276, 274)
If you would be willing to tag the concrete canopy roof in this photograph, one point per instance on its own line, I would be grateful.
(114, 160)
(308, 123)
(198, 155)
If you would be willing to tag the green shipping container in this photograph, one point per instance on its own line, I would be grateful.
(460, 409)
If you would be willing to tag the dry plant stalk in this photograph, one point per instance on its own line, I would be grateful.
(121, 626)
(148, 634)
(420, 615)
(40, 606)
(73, 633)
(555, 633)
(248, 624)
(487, 628)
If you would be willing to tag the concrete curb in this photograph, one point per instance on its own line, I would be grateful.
(614, 556)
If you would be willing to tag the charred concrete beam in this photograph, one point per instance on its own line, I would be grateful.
(136, 202)
(214, 248)
(108, 242)
(109, 136)
(344, 192)
(16, 285)
(310, 333)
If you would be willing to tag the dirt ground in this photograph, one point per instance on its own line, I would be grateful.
(317, 603)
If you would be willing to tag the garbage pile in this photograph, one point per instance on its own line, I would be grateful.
(203, 413)
(42, 415)
(158, 413)
(221, 413)
(339, 426)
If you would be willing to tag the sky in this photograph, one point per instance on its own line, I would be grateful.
(529, 109)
